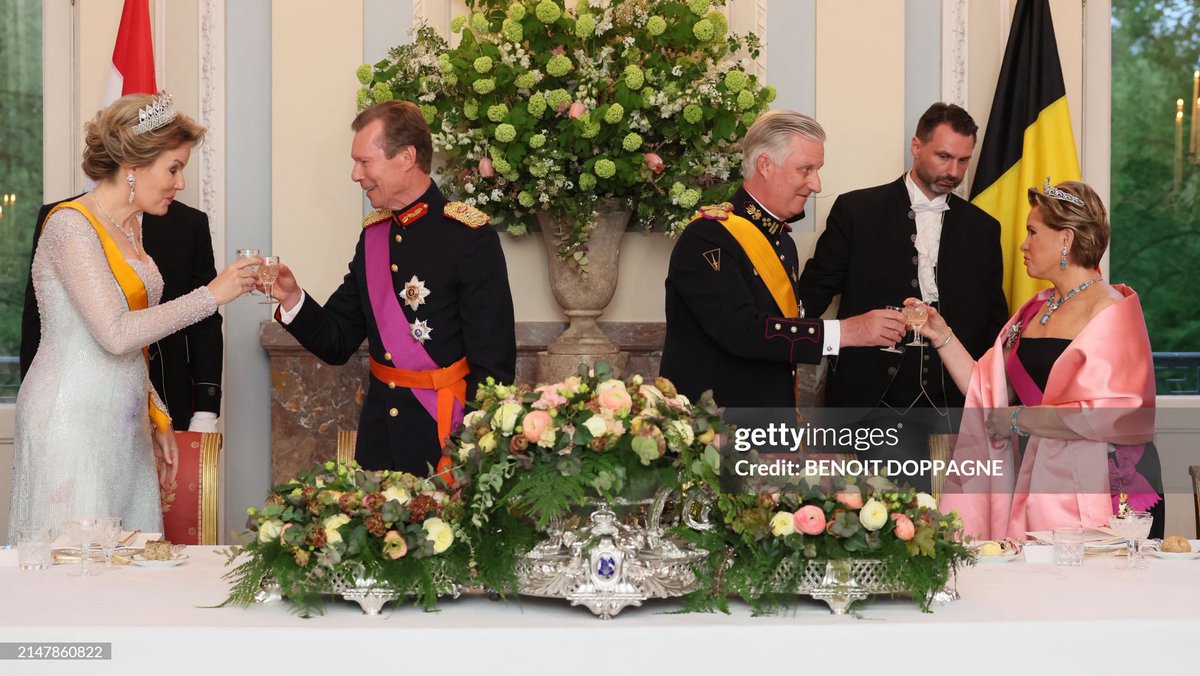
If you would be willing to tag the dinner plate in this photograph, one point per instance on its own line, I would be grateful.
(1001, 558)
(141, 561)
(125, 550)
(1174, 556)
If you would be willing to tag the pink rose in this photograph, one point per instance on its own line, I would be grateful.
(486, 169)
(613, 396)
(550, 397)
(534, 424)
(576, 110)
(851, 499)
(394, 546)
(654, 162)
(905, 530)
(810, 520)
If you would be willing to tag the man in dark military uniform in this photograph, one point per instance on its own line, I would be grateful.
(733, 323)
(428, 289)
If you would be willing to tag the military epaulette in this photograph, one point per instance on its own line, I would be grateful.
(716, 212)
(466, 214)
(377, 216)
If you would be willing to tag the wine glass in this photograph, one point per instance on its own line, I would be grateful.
(243, 254)
(1134, 528)
(110, 532)
(892, 348)
(268, 272)
(916, 316)
(84, 529)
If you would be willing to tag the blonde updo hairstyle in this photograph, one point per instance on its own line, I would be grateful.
(109, 142)
(1089, 222)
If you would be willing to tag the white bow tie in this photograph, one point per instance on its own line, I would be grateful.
(930, 207)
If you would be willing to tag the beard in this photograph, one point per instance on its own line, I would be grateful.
(938, 185)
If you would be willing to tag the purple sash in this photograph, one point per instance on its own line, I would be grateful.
(394, 329)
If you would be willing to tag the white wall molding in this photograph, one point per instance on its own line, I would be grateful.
(212, 116)
(955, 51)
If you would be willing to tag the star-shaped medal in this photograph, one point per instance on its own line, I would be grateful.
(420, 331)
(414, 293)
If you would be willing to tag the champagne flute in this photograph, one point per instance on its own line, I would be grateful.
(268, 272)
(84, 528)
(243, 254)
(110, 532)
(916, 315)
(893, 348)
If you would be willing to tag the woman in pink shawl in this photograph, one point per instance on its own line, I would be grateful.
(1065, 397)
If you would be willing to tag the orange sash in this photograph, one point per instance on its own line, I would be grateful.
(135, 295)
(449, 383)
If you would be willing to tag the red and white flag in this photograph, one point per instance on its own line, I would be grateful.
(133, 55)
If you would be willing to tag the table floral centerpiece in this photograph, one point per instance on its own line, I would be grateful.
(837, 538)
(544, 107)
(529, 456)
(340, 528)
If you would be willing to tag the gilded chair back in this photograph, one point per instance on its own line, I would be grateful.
(191, 507)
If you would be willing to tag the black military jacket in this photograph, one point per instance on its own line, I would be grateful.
(468, 311)
(724, 329)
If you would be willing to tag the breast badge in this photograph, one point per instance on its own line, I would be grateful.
(420, 331)
(414, 293)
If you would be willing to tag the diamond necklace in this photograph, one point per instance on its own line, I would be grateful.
(128, 232)
(1055, 303)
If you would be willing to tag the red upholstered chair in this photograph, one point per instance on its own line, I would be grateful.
(189, 505)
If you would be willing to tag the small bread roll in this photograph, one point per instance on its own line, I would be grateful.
(991, 548)
(1176, 544)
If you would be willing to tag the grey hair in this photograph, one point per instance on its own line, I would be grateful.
(771, 135)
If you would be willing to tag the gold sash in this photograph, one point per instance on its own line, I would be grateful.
(134, 290)
(763, 258)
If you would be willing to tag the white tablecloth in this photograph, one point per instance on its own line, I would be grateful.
(1013, 619)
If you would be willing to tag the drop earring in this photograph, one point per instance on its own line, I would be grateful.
(1062, 262)
(130, 178)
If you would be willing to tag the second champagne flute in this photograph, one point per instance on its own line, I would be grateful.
(916, 316)
(268, 272)
(893, 348)
(243, 254)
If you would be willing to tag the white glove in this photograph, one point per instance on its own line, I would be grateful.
(203, 421)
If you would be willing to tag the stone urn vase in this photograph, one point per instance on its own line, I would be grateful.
(584, 297)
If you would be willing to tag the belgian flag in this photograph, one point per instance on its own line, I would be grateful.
(1028, 138)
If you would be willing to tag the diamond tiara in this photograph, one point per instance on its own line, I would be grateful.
(1062, 195)
(159, 113)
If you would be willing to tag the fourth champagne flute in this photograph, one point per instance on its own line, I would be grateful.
(268, 272)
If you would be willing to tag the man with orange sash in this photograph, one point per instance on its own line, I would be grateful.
(733, 323)
(428, 290)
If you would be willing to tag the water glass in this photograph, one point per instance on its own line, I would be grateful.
(33, 548)
(1068, 546)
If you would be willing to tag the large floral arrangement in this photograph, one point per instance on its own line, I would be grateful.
(829, 519)
(544, 107)
(393, 528)
(537, 452)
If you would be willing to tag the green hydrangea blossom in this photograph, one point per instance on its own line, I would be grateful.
(585, 26)
(364, 98)
(501, 165)
(689, 198)
(428, 112)
(484, 85)
(704, 30)
(364, 74)
(498, 112)
(538, 170)
(537, 141)
(547, 11)
(381, 92)
(693, 113)
(648, 95)
(480, 23)
(558, 65)
(614, 113)
(719, 21)
(745, 100)
(516, 11)
(471, 109)
(505, 133)
(735, 81)
(634, 77)
(591, 128)
(512, 30)
(587, 181)
(656, 25)
(457, 23)
(443, 62)
(558, 98)
(483, 64)
(768, 94)
(537, 105)
(605, 168)
(632, 141)
(525, 199)
(525, 80)
(450, 78)
(676, 190)
(699, 7)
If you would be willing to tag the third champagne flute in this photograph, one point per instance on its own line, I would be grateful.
(916, 316)
(268, 272)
